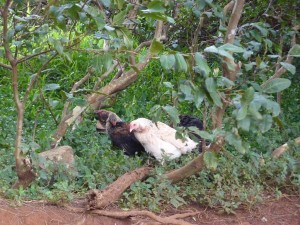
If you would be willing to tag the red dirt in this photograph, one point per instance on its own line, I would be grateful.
(285, 211)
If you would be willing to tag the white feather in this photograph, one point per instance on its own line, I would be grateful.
(168, 134)
(146, 133)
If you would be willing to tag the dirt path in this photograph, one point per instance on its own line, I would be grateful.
(285, 211)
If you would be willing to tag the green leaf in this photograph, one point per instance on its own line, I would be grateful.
(262, 30)
(266, 123)
(212, 49)
(236, 142)
(186, 90)
(57, 45)
(210, 160)
(205, 135)
(289, 67)
(253, 110)
(276, 85)
(224, 81)
(202, 64)
(155, 6)
(156, 47)
(119, 18)
(242, 113)
(51, 87)
(225, 54)
(198, 97)
(168, 85)
(211, 88)
(295, 51)
(106, 3)
(244, 124)
(172, 112)
(248, 96)
(180, 62)
(231, 48)
(128, 41)
(167, 61)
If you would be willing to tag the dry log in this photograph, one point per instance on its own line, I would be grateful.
(99, 199)
(283, 148)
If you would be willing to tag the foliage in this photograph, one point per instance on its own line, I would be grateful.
(176, 81)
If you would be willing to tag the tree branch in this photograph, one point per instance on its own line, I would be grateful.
(217, 115)
(105, 75)
(195, 165)
(5, 66)
(33, 55)
(289, 59)
(35, 77)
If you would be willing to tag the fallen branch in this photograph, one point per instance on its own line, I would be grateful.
(283, 148)
(164, 220)
(99, 199)
(195, 165)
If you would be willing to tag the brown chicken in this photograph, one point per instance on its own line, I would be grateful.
(118, 132)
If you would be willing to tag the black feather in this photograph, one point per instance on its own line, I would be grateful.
(122, 138)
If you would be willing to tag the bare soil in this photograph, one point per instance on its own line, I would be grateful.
(285, 211)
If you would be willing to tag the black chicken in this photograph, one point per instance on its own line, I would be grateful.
(118, 132)
(191, 121)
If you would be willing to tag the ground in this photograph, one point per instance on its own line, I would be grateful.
(284, 211)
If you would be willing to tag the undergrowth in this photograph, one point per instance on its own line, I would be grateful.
(239, 180)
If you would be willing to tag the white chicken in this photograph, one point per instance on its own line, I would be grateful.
(159, 139)
(168, 134)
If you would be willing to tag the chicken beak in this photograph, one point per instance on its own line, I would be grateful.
(130, 128)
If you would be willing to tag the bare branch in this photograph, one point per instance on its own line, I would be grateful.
(283, 148)
(194, 47)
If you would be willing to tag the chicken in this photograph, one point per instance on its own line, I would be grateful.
(146, 132)
(101, 116)
(191, 121)
(119, 134)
